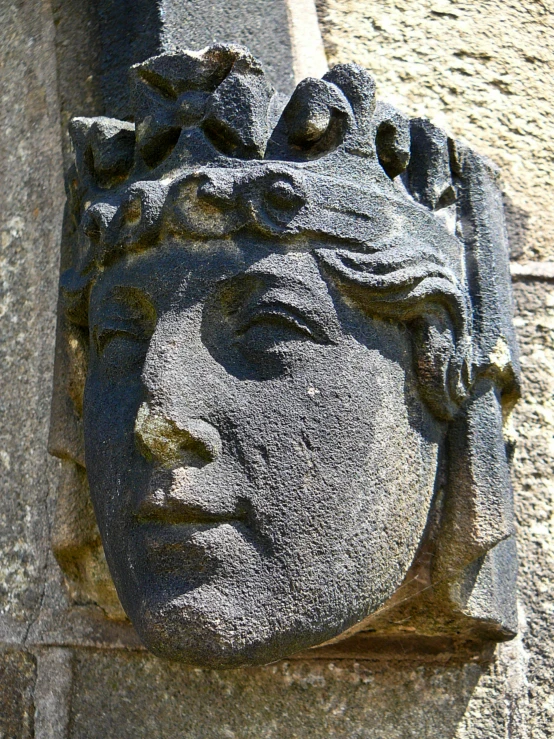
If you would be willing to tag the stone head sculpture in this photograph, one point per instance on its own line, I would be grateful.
(296, 323)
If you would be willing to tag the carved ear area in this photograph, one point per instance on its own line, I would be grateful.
(104, 149)
(313, 123)
(413, 287)
(392, 139)
(428, 176)
(437, 364)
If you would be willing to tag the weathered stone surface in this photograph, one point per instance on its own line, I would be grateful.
(480, 703)
(52, 692)
(228, 276)
(77, 57)
(482, 71)
(17, 679)
(296, 700)
(97, 42)
(261, 26)
(533, 468)
(32, 201)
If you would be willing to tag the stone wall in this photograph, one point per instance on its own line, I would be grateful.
(481, 70)
(32, 197)
(61, 673)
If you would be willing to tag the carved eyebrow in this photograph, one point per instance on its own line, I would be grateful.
(400, 284)
(260, 294)
(306, 320)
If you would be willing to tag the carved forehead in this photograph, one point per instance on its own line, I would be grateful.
(171, 279)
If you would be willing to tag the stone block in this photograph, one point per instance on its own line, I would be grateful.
(345, 699)
(17, 679)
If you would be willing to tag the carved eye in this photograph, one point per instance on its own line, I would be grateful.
(279, 321)
(104, 334)
(126, 314)
(272, 335)
(263, 323)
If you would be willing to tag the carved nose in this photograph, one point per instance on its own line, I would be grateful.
(194, 443)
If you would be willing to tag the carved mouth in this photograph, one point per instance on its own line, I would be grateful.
(179, 497)
(194, 549)
(162, 535)
(184, 516)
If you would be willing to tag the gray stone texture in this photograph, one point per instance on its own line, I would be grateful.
(297, 700)
(32, 200)
(257, 24)
(244, 473)
(511, 697)
(534, 465)
(97, 42)
(52, 692)
(17, 681)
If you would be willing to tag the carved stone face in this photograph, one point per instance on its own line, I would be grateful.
(259, 458)
(280, 351)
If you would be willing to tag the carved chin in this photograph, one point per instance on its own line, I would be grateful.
(204, 627)
(241, 623)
